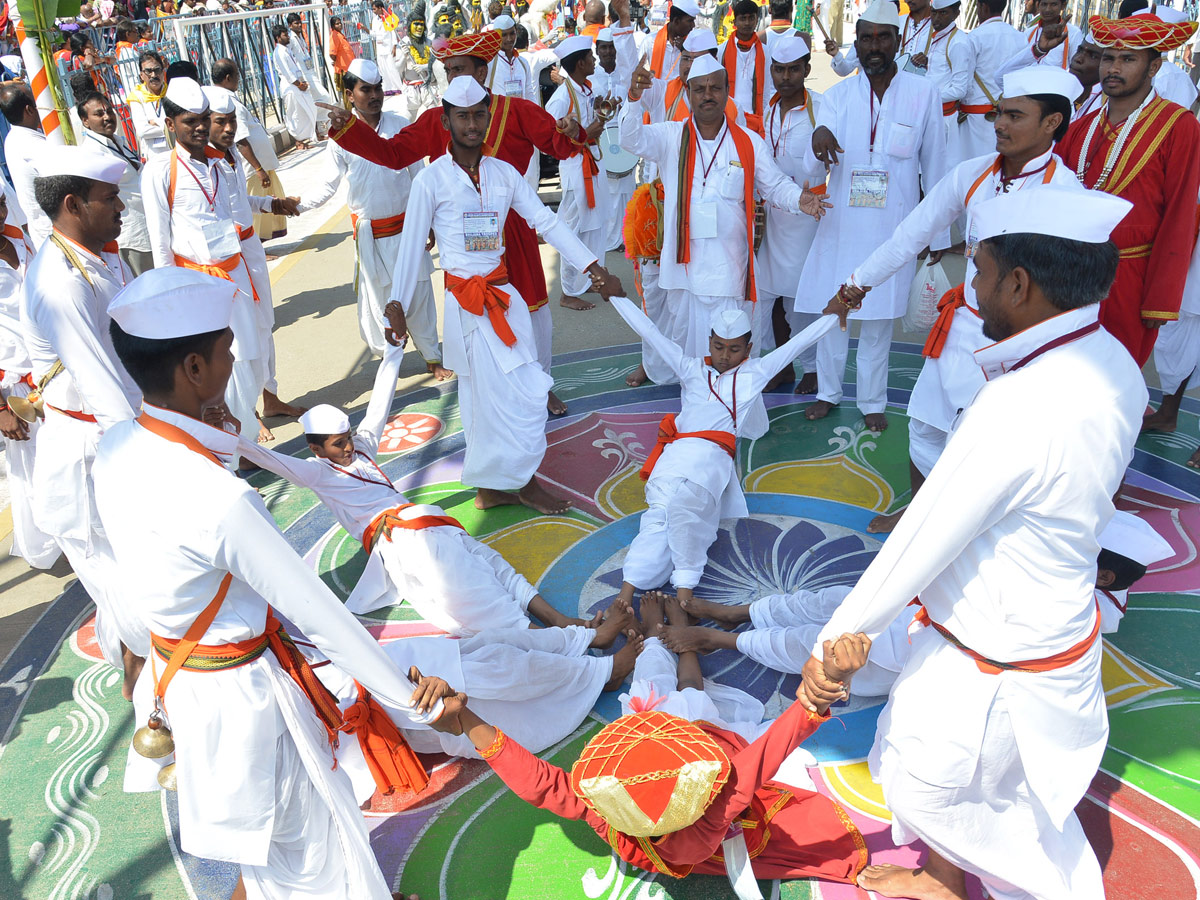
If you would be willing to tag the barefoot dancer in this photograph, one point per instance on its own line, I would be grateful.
(489, 337)
(692, 481)
(1000, 547)
(666, 783)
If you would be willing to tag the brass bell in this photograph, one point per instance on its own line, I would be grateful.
(28, 409)
(166, 778)
(153, 740)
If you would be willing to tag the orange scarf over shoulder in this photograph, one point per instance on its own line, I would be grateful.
(730, 63)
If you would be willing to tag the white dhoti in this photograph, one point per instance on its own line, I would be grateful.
(375, 258)
(676, 530)
(250, 355)
(543, 335)
(37, 547)
(785, 632)
(1177, 352)
(455, 582)
(64, 506)
(871, 360)
(590, 225)
(621, 191)
(299, 112)
(255, 258)
(925, 444)
(656, 307)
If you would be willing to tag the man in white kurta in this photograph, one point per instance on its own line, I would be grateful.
(376, 196)
(882, 133)
(950, 377)
(1000, 547)
(745, 62)
(586, 204)
(914, 35)
(299, 107)
(298, 47)
(611, 86)
(489, 339)
(188, 200)
(257, 781)
(950, 63)
(384, 25)
(714, 271)
(992, 41)
(24, 147)
(145, 105)
(515, 74)
(63, 312)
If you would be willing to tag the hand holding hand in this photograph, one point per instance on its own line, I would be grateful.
(429, 690)
(849, 297)
(845, 656)
(397, 324)
(286, 206)
(604, 283)
(816, 691)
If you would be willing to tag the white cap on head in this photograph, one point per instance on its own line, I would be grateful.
(573, 44)
(173, 302)
(187, 95)
(1042, 80)
(220, 101)
(789, 48)
(464, 91)
(1133, 537)
(1166, 14)
(503, 23)
(730, 324)
(687, 6)
(700, 40)
(882, 12)
(943, 4)
(704, 65)
(366, 71)
(63, 159)
(1086, 216)
(604, 36)
(325, 419)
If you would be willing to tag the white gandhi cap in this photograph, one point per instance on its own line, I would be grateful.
(173, 302)
(63, 159)
(1133, 537)
(700, 40)
(789, 49)
(943, 4)
(704, 65)
(687, 6)
(503, 23)
(464, 91)
(366, 71)
(882, 12)
(325, 419)
(187, 95)
(573, 44)
(730, 324)
(220, 101)
(1086, 216)
(1042, 80)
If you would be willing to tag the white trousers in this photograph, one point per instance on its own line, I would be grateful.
(299, 113)
(994, 828)
(676, 530)
(1177, 352)
(654, 303)
(925, 444)
(874, 344)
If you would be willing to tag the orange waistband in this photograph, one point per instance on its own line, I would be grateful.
(974, 109)
(220, 269)
(949, 106)
(668, 433)
(381, 228)
(244, 234)
(382, 524)
(73, 414)
(213, 657)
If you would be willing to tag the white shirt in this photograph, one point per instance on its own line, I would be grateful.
(993, 42)
(1060, 56)
(718, 263)
(23, 147)
(374, 192)
(298, 48)
(577, 100)
(249, 128)
(511, 77)
(1000, 545)
(202, 206)
(134, 235)
(66, 318)
(286, 68)
(743, 92)
(951, 61)
(149, 125)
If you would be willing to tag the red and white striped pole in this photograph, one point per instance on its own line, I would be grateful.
(44, 81)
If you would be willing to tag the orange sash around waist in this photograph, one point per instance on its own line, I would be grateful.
(382, 524)
(995, 667)
(974, 109)
(952, 300)
(244, 234)
(381, 228)
(479, 293)
(669, 434)
(949, 106)
(73, 414)
(220, 269)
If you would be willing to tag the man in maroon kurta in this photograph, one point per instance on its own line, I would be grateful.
(518, 127)
(1147, 150)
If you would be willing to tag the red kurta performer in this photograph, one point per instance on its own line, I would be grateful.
(1147, 150)
(518, 127)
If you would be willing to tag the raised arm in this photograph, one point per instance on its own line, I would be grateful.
(767, 367)
(382, 393)
(333, 169)
(409, 260)
(424, 137)
(301, 472)
(649, 141)
(670, 351)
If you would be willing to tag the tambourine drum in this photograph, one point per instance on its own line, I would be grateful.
(615, 160)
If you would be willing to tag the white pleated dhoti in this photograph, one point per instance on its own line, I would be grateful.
(375, 258)
(589, 225)
(621, 190)
(543, 335)
(676, 530)
(871, 360)
(255, 258)
(299, 112)
(250, 353)
(1177, 352)
(37, 547)
(656, 307)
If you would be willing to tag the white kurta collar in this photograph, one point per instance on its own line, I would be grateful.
(1000, 357)
(222, 443)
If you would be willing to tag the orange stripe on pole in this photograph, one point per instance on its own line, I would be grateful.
(41, 81)
(50, 121)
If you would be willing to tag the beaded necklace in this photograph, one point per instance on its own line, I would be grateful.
(1114, 152)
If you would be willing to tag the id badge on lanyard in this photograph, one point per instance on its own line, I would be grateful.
(222, 239)
(481, 230)
(704, 219)
(868, 188)
(513, 87)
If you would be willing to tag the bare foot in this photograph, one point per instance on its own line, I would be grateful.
(273, 406)
(555, 406)
(538, 498)
(486, 498)
(917, 884)
(133, 668)
(676, 614)
(885, 524)
(438, 371)
(1194, 460)
(652, 613)
(786, 375)
(718, 612)
(575, 303)
(624, 659)
(637, 377)
(818, 410)
(877, 422)
(682, 638)
(807, 384)
(271, 257)
(264, 433)
(1162, 419)
(616, 619)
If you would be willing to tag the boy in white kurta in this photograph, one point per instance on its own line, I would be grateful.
(377, 197)
(488, 332)
(299, 107)
(257, 780)
(1000, 547)
(691, 474)
(992, 41)
(889, 123)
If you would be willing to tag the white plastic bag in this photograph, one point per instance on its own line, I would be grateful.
(928, 287)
